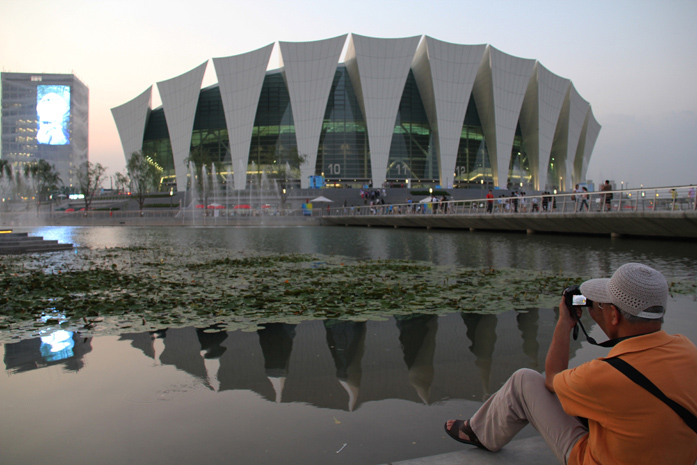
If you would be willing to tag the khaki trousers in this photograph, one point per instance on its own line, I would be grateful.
(525, 399)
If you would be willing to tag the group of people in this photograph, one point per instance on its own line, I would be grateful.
(518, 202)
(635, 405)
(515, 202)
(581, 196)
(373, 196)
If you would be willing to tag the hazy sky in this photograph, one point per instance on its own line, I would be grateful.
(635, 61)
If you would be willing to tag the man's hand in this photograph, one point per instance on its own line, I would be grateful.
(558, 354)
(566, 316)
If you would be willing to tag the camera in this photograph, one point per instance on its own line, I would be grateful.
(574, 298)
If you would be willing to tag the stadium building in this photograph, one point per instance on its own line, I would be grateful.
(45, 117)
(404, 111)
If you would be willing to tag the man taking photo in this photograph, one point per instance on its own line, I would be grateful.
(603, 412)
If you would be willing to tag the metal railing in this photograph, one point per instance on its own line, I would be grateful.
(678, 198)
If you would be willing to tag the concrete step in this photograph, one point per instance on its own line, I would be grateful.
(12, 236)
(19, 243)
(16, 241)
(530, 451)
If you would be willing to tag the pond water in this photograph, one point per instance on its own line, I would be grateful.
(322, 391)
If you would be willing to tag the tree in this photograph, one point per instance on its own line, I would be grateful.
(5, 169)
(89, 180)
(45, 180)
(144, 174)
(6, 183)
(121, 181)
(286, 166)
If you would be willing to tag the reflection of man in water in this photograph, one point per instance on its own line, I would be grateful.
(52, 110)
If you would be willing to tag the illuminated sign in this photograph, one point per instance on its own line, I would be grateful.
(53, 114)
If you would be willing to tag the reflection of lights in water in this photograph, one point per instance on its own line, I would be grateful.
(64, 235)
(57, 346)
(60, 317)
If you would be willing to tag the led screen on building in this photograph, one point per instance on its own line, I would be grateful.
(53, 114)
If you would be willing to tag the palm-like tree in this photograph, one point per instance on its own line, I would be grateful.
(46, 179)
(5, 169)
(89, 180)
(144, 176)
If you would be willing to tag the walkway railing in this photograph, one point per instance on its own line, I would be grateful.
(679, 198)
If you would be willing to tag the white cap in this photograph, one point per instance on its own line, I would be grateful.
(633, 288)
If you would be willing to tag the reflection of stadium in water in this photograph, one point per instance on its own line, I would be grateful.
(339, 364)
(342, 364)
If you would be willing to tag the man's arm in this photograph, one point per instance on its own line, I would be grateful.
(558, 354)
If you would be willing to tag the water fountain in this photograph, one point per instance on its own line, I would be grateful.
(6, 188)
(262, 193)
(192, 195)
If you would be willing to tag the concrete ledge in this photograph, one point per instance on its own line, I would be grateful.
(668, 224)
(531, 451)
(18, 243)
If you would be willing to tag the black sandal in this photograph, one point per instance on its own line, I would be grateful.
(463, 426)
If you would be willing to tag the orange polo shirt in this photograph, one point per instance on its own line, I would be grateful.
(628, 424)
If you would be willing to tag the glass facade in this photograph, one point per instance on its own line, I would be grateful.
(343, 146)
(411, 153)
(519, 169)
(273, 136)
(343, 153)
(156, 144)
(472, 164)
